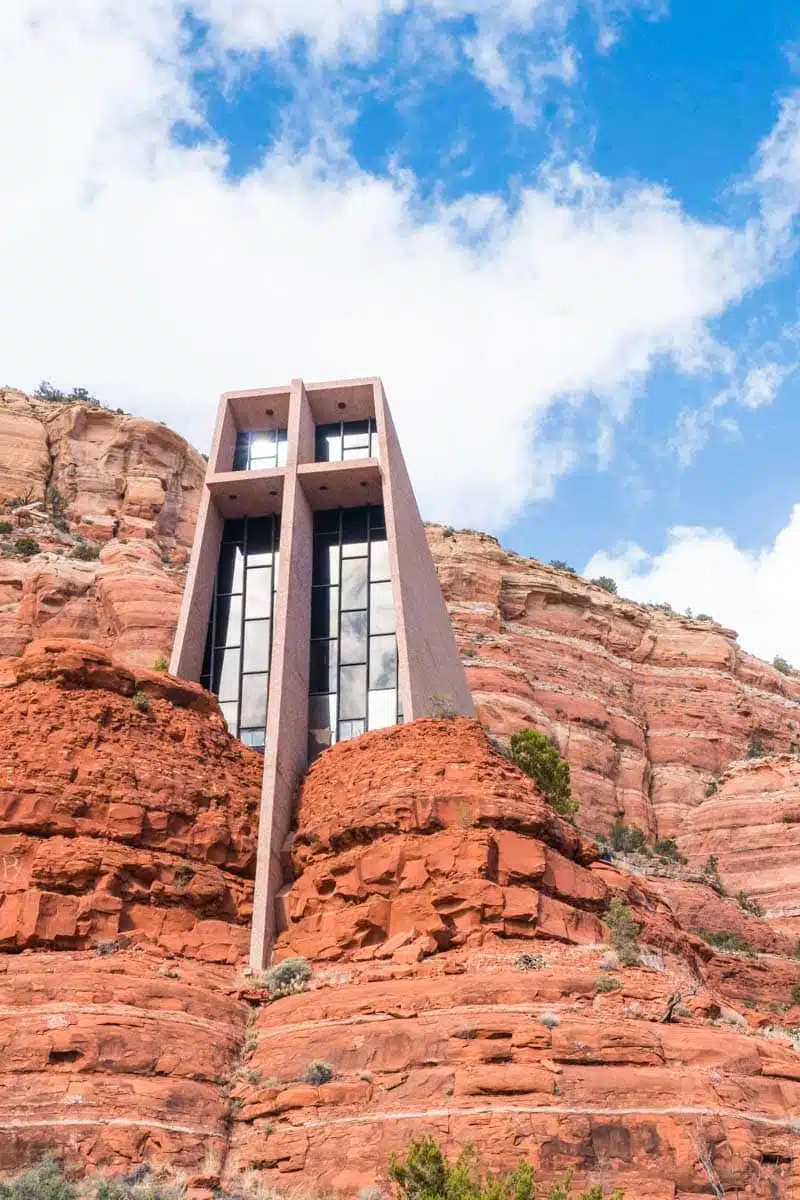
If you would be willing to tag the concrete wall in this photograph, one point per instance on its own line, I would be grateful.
(190, 636)
(430, 665)
(286, 752)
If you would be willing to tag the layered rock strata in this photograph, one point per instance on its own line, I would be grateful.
(649, 707)
(752, 824)
(77, 480)
(462, 989)
(126, 810)
(462, 983)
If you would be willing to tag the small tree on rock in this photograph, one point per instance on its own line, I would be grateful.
(538, 756)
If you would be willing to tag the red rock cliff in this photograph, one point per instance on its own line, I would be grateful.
(79, 480)
(462, 984)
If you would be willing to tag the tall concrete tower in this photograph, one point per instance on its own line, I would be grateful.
(312, 605)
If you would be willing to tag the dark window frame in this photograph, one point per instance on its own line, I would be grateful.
(239, 533)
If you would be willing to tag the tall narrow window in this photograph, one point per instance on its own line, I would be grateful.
(353, 682)
(257, 450)
(239, 642)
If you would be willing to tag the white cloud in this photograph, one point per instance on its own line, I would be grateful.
(762, 384)
(754, 593)
(133, 266)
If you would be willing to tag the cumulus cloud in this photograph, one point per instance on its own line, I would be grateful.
(754, 593)
(134, 266)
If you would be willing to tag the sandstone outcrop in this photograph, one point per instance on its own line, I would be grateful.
(649, 707)
(462, 981)
(752, 824)
(462, 989)
(75, 476)
(126, 811)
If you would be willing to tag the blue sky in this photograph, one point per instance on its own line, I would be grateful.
(563, 231)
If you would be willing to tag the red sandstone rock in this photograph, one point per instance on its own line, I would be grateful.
(116, 821)
(128, 484)
(647, 707)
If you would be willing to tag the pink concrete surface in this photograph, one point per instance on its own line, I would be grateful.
(190, 636)
(429, 665)
(286, 754)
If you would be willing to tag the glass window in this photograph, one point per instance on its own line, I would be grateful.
(237, 666)
(355, 433)
(323, 666)
(324, 612)
(258, 600)
(254, 700)
(352, 693)
(326, 558)
(379, 559)
(381, 608)
(329, 443)
(382, 709)
(231, 714)
(256, 646)
(255, 738)
(350, 729)
(228, 629)
(259, 541)
(354, 637)
(377, 518)
(242, 456)
(355, 525)
(373, 443)
(226, 663)
(383, 662)
(231, 568)
(354, 584)
(260, 449)
(322, 712)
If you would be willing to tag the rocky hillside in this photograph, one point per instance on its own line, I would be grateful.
(461, 979)
(97, 515)
(656, 713)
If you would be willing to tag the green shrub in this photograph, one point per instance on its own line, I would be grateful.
(726, 941)
(627, 839)
(606, 583)
(607, 983)
(183, 877)
(140, 700)
(703, 617)
(530, 962)
(756, 749)
(318, 1073)
(45, 1181)
(425, 1173)
(26, 546)
(288, 977)
(161, 664)
(624, 930)
(560, 565)
(712, 787)
(5, 528)
(86, 551)
(711, 872)
(780, 664)
(668, 848)
(46, 391)
(537, 756)
(748, 905)
(796, 994)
